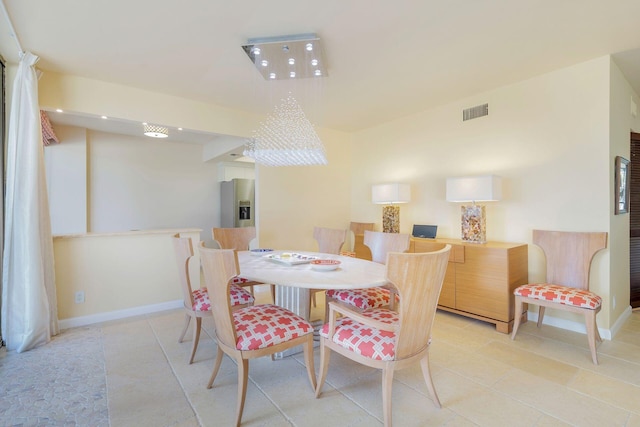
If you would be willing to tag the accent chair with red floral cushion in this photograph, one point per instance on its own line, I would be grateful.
(250, 332)
(387, 339)
(364, 299)
(569, 256)
(196, 302)
(238, 238)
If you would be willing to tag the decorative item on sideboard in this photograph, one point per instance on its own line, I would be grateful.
(390, 195)
(474, 189)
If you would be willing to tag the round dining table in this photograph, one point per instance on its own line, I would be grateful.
(294, 274)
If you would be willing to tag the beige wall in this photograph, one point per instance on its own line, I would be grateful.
(66, 167)
(292, 200)
(118, 273)
(78, 94)
(621, 123)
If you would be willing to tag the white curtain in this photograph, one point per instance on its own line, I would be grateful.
(29, 310)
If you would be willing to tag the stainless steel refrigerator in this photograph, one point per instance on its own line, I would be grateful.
(237, 203)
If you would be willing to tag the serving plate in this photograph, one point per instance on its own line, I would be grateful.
(290, 258)
(260, 252)
(325, 264)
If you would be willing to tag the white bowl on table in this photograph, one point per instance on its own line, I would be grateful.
(325, 264)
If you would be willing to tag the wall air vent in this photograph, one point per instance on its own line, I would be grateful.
(475, 112)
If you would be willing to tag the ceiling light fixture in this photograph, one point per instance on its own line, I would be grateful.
(286, 138)
(155, 131)
(277, 57)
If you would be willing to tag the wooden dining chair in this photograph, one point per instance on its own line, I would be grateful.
(251, 332)
(385, 339)
(238, 238)
(380, 245)
(196, 302)
(330, 241)
(569, 256)
(357, 229)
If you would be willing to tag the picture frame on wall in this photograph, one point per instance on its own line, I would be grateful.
(621, 201)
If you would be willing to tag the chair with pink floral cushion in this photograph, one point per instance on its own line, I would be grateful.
(253, 331)
(385, 339)
(196, 302)
(238, 238)
(363, 299)
(569, 256)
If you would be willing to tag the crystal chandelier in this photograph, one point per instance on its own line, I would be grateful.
(286, 138)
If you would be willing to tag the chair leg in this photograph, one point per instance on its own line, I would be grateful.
(196, 338)
(387, 382)
(216, 367)
(243, 375)
(308, 361)
(516, 317)
(592, 331)
(187, 318)
(540, 315)
(426, 373)
(325, 354)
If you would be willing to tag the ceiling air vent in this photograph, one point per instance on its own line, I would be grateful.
(475, 112)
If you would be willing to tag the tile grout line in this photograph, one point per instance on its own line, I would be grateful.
(175, 375)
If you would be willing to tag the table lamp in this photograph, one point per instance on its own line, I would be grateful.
(390, 195)
(474, 189)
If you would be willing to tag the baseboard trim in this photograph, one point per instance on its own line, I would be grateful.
(580, 327)
(118, 314)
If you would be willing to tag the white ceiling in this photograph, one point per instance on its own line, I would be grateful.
(386, 59)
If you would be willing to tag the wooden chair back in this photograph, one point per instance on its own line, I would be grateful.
(381, 244)
(330, 240)
(418, 277)
(360, 227)
(184, 252)
(569, 255)
(237, 238)
(219, 266)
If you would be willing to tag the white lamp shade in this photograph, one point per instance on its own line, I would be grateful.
(474, 189)
(390, 193)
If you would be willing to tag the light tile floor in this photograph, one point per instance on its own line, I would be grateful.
(135, 373)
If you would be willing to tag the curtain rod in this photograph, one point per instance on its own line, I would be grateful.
(12, 32)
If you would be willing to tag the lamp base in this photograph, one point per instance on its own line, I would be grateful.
(391, 219)
(474, 228)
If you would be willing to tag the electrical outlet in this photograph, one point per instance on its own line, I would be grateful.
(79, 297)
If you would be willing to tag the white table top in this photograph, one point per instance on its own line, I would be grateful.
(353, 273)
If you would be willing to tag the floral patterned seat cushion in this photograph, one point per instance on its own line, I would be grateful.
(363, 339)
(364, 299)
(265, 325)
(238, 297)
(560, 294)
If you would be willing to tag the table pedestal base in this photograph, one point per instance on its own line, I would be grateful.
(296, 300)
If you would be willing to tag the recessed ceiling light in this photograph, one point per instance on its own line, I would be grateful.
(292, 74)
(292, 61)
(309, 47)
(59, 110)
(264, 62)
(272, 75)
(256, 50)
(314, 62)
(318, 72)
(103, 117)
(179, 128)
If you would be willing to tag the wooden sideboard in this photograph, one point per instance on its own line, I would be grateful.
(480, 278)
